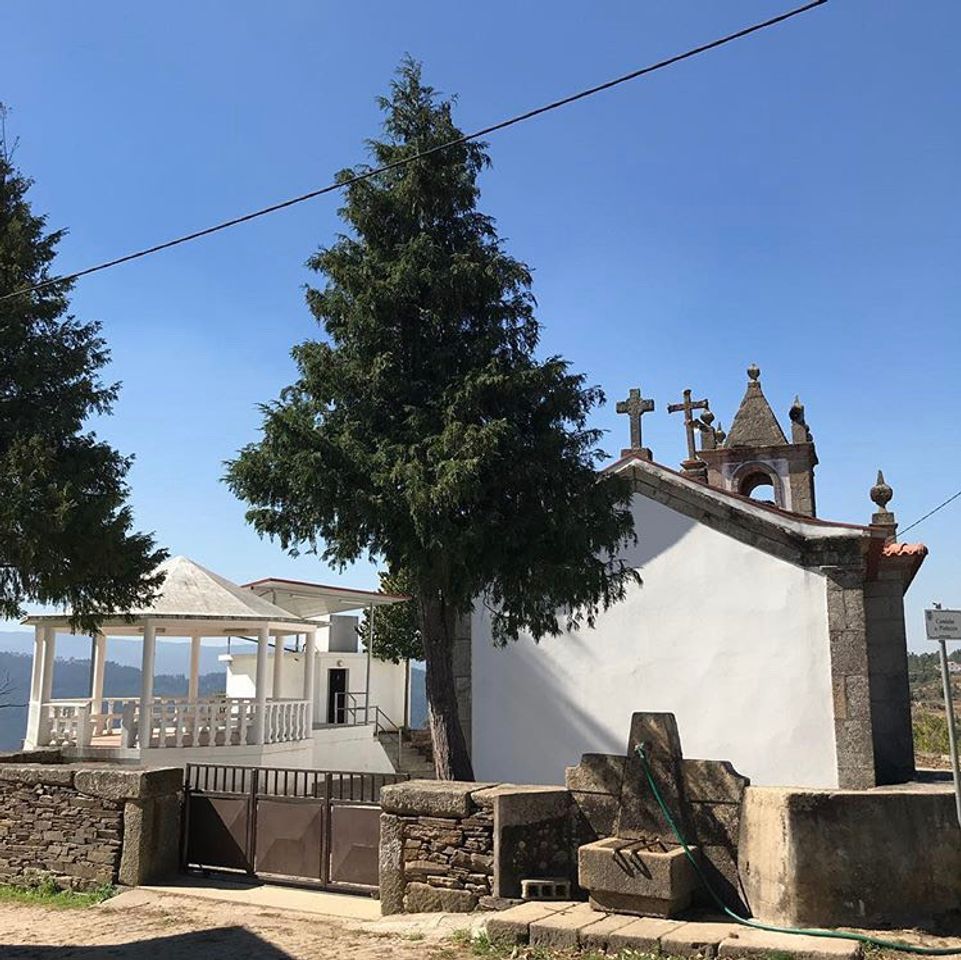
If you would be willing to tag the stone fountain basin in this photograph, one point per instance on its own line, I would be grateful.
(645, 878)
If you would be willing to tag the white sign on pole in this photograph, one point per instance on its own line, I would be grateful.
(943, 624)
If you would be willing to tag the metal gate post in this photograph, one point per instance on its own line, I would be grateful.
(252, 820)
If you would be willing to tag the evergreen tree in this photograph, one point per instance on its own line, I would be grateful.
(423, 431)
(65, 527)
(396, 629)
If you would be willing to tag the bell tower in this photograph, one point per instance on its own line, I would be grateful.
(756, 453)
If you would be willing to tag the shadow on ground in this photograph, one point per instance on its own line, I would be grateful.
(220, 943)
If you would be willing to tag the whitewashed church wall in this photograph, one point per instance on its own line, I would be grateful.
(730, 639)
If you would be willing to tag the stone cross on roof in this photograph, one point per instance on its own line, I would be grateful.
(635, 406)
(689, 406)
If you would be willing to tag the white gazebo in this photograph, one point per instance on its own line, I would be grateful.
(193, 603)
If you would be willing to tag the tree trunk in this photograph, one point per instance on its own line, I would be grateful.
(451, 757)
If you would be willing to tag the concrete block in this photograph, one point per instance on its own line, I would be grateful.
(117, 784)
(423, 898)
(696, 939)
(513, 925)
(430, 798)
(597, 773)
(560, 931)
(391, 864)
(596, 935)
(827, 857)
(745, 942)
(625, 879)
(641, 934)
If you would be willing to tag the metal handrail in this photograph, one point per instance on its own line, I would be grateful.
(381, 721)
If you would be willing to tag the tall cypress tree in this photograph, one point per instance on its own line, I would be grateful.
(65, 528)
(423, 431)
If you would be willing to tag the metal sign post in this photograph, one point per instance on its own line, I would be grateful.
(942, 626)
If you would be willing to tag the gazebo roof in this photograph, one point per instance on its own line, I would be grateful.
(192, 592)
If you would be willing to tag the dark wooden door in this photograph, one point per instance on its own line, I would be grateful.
(336, 687)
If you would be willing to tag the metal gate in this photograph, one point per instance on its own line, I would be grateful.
(316, 827)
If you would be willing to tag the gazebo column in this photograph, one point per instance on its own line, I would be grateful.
(99, 664)
(260, 683)
(310, 648)
(146, 686)
(34, 715)
(193, 684)
(278, 668)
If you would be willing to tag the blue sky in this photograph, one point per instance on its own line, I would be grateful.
(791, 199)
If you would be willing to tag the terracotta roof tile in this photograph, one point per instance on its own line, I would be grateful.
(905, 550)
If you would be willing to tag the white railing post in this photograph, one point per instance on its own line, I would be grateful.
(128, 724)
(83, 726)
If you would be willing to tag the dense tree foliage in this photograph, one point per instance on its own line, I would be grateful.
(396, 629)
(65, 528)
(423, 431)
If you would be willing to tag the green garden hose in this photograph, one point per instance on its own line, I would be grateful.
(748, 922)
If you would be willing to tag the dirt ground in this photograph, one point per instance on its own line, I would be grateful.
(177, 928)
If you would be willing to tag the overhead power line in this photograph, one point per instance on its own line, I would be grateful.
(930, 513)
(368, 174)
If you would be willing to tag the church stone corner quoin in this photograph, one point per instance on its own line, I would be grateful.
(776, 637)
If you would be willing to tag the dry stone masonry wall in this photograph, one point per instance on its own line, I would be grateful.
(50, 830)
(86, 827)
(457, 847)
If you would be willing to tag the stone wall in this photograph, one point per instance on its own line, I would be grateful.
(458, 847)
(86, 827)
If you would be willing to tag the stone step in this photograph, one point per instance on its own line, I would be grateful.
(576, 926)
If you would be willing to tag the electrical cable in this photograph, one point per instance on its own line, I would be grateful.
(368, 174)
(930, 513)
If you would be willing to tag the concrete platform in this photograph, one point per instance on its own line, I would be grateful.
(569, 925)
(273, 896)
(746, 942)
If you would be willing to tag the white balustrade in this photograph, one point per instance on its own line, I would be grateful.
(67, 722)
(224, 722)
(174, 722)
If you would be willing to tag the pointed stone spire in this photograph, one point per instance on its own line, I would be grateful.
(754, 423)
(799, 428)
(881, 494)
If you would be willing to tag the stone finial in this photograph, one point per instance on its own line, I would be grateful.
(881, 494)
(754, 372)
(799, 428)
(720, 434)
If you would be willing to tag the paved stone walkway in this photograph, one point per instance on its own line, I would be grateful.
(571, 926)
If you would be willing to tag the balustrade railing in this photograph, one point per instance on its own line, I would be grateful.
(174, 722)
(66, 722)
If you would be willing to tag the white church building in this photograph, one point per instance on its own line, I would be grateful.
(776, 637)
